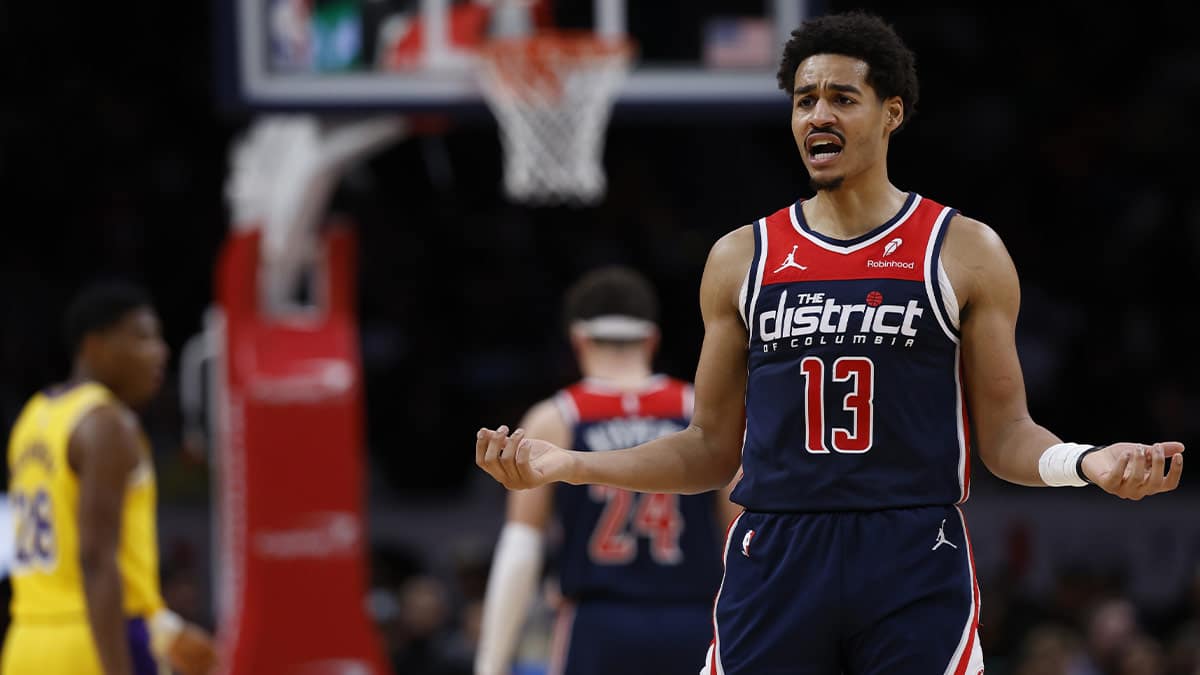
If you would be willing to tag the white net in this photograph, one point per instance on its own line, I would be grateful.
(552, 96)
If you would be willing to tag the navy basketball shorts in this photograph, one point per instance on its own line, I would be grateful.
(851, 593)
(607, 638)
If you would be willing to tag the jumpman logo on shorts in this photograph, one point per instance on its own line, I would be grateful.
(941, 538)
(790, 261)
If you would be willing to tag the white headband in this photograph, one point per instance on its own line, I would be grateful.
(615, 327)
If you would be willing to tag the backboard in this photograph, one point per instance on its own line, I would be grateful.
(418, 55)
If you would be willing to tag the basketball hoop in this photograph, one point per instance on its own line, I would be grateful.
(552, 94)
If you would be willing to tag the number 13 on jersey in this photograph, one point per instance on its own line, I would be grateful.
(858, 403)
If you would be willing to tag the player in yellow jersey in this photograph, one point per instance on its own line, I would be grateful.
(86, 597)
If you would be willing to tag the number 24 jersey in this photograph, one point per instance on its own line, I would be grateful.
(622, 545)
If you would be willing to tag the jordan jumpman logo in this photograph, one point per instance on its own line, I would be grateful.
(790, 261)
(941, 538)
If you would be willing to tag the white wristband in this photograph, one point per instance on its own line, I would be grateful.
(164, 626)
(1058, 465)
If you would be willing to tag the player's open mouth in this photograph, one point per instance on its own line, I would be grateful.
(823, 148)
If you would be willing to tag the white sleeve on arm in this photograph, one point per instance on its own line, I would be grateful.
(511, 586)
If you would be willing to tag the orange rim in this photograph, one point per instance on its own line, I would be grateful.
(536, 64)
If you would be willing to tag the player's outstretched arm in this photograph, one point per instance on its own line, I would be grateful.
(517, 560)
(700, 458)
(103, 453)
(1010, 443)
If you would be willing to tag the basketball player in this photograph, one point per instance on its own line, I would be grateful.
(638, 571)
(863, 367)
(86, 597)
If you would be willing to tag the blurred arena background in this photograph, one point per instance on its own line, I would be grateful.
(1067, 128)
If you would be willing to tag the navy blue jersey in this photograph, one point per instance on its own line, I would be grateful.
(855, 396)
(622, 545)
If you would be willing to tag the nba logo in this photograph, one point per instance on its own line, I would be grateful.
(746, 543)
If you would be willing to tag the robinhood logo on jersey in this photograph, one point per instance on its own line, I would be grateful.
(813, 319)
(891, 247)
(902, 264)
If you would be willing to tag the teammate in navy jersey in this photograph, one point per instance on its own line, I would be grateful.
(638, 571)
(867, 335)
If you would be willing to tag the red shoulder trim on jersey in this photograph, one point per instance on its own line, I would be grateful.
(668, 402)
(593, 405)
(664, 397)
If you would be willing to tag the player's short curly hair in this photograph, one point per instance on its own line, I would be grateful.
(98, 308)
(891, 65)
(611, 290)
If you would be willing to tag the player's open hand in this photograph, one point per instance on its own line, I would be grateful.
(520, 463)
(192, 652)
(1135, 470)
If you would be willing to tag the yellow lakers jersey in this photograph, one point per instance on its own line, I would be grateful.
(44, 495)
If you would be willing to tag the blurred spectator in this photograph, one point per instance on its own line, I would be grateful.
(1141, 655)
(472, 560)
(1185, 611)
(1183, 652)
(1005, 623)
(462, 639)
(1112, 630)
(182, 586)
(420, 642)
(184, 593)
(1048, 649)
(1076, 590)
